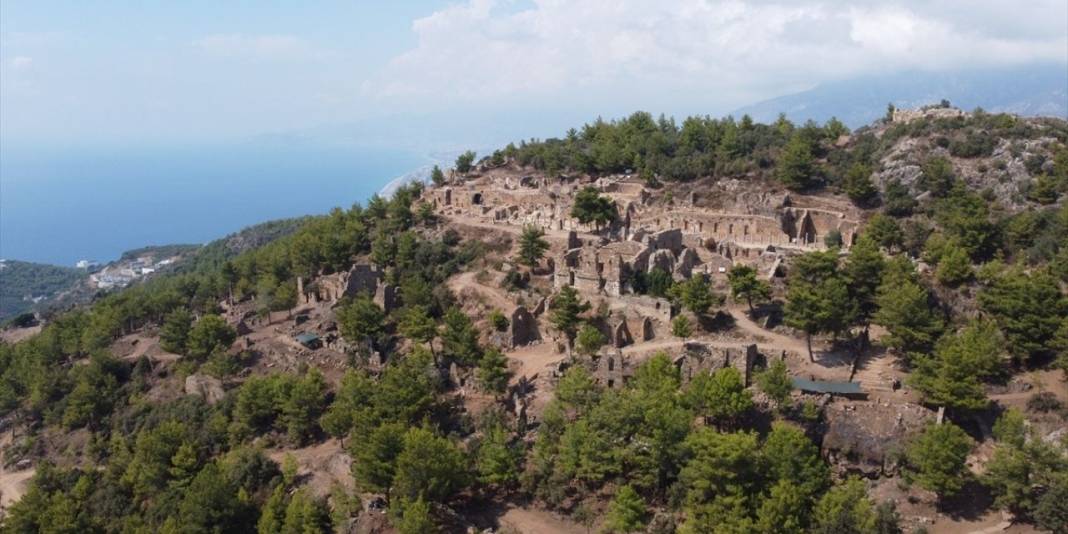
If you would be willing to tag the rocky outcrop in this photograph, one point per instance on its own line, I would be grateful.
(862, 436)
(206, 387)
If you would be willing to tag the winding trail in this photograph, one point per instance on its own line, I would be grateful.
(494, 296)
(534, 521)
(771, 339)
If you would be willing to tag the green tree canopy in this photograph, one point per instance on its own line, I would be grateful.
(590, 340)
(361, 319)
(1028, 308)
(532, 245)
(775, 381)
(493, 371)
(796, 167)
(936, 458)
(566, 308)
(695, 294)
(430, 467)
(904, 309)
(845, 509)
(175, 331)
(209, 334)
(885, 231)
(591, 207)
(460, 339)
(863, 270)
(952, 376)
(746, 285)
(626, 512)
(464, 162)
(858, 186)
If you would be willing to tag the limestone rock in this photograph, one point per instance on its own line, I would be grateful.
(207, 387)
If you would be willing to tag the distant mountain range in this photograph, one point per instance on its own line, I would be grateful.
(1032, 90)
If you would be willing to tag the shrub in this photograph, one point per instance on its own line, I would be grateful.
(1044, 402)
(498, 321)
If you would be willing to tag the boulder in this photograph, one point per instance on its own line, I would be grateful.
(207, 387)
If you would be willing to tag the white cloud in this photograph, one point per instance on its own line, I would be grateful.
(484, 51)
(21, 62)
(258, 47)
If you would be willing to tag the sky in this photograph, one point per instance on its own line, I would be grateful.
(411, 72)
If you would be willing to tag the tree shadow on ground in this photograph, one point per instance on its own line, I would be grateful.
(718, 322)
(971, 503)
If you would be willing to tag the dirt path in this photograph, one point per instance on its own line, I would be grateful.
(534, 521)
(533, 359)
(553, 234)
(13, 484)
(771, 339)
(494, 296)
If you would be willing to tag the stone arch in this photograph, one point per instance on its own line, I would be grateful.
(476, 199)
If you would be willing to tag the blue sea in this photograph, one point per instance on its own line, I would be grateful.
(61, 205)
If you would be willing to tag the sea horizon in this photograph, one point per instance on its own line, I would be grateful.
(62, 205)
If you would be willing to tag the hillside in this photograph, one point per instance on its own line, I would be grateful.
(24, 284)
(641, 326)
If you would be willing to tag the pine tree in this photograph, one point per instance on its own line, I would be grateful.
(375, 459)
(497, 459)
(1028, 308)
(209, 334)
(589, 341)
(952, 376)
(464, 162)
(954, 267)
(844, 509)
(436, 176)
(695, 294)
(532, 245)
(789, 454)
(681, 327)
(904, 310)
(626, 512)
(493, 371)
(937, 458)
(784, 511)
(796, 168)
(305, 514)
(863, 270)
(175, 331)
(858, 186)
(775, 381)
(417, 325)
(459, 338)
(821, 307)
(303, 406)
(746, 285)
(430, 467)
(566, 309)
(590, 207)
(885, 232)
(726, 397)
(361, 319)
(415, 518)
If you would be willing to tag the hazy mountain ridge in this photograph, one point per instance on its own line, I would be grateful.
(1031, 91)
